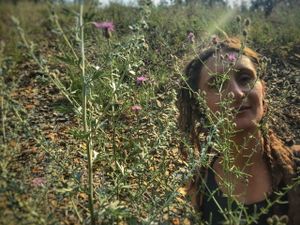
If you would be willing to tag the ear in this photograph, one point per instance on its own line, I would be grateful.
(264, 102)
(264, 88)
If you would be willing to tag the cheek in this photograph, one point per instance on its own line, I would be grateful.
(257, 96)
(260, 92)
(212, 101)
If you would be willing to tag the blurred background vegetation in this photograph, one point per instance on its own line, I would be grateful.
(274, 23)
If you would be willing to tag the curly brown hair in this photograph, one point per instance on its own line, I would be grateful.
(278, 157)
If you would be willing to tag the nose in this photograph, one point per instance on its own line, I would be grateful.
(235, 90)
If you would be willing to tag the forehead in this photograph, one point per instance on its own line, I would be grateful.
(226, 61)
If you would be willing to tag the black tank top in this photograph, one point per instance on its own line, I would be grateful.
(213, 208)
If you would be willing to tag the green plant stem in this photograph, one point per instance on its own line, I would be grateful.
(64, 36)
(3, 116)
(45, 69)
(85, 95)
(76, 211)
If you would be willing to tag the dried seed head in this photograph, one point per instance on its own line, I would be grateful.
(214, 39)
(276, 218)
(247, 22)
(245, 33)
(284, 219)
(270, 220)
(231, 95)
(238, 19)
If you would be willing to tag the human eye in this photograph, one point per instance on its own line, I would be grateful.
(246, 79)
(217, 82)
(212, 83)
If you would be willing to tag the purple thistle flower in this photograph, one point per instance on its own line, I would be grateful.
(231, 57)
(107, 25)
(136, 108)
(191, 37)
(38, 181)
(141, 80)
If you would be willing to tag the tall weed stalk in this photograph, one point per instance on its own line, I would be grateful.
(85, 99)
(81, 109)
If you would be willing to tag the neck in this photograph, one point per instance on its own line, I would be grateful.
(247, 157)
(246, 150)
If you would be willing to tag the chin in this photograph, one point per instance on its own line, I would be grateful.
(248, 120)
(244, 124)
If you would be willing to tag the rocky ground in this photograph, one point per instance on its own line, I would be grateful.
(39, 130)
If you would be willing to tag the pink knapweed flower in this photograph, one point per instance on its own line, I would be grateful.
(214, 39)
(136, 108)
(38, 181)
(191, 37)
(231, 57)
(107, 25)
(141, 79)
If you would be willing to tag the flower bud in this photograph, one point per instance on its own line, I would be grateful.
(270, 221)
(191, 37)
(276, 218)
(215, 39)
(284, 219)
(247, 22)
(231, 95)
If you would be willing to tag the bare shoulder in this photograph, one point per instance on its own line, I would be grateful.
(296, 152)
(296, 148)
(296, 156)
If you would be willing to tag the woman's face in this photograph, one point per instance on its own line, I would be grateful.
(241, 85)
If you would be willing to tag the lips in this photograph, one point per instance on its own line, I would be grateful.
(243, 108)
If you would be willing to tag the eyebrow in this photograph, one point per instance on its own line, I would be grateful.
(246, 70)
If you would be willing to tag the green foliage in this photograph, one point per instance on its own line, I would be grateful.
(138, 170)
